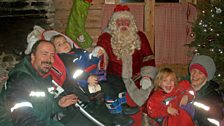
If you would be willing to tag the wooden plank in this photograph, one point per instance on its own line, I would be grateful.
(149, 22)
(96, 7)
(188, 1)
(97, 2)
(63, 4)
(94, 33)
(61, 14)
(94, 19)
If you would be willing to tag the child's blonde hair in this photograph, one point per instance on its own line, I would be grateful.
(163, 73)
(55, 37)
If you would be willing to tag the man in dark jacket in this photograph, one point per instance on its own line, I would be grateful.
(27, 96)
(208, 104)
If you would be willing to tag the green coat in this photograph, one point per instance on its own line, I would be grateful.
(23, 83)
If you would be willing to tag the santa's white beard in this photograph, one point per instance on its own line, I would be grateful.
(124, 42)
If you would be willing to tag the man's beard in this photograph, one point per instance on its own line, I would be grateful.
(124, 42)
(46, 70)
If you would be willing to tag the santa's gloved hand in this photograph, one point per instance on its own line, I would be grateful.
(97, 51)
(145, 82)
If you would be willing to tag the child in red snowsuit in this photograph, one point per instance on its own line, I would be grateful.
(164, 104)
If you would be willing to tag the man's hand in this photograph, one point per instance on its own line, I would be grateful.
(145, 82)
(68, 100)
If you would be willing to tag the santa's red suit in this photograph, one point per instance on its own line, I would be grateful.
(159, 101)
(141, 58)
(115, 65)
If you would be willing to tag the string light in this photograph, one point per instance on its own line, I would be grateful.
(207, 33)
(212, 50)
(218, 10)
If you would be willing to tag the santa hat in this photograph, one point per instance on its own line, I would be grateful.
(205, 64)
(121, 8)
(122, 11)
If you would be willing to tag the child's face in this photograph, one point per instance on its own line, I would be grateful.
(167, 84)
(197, 78)
(61, 45)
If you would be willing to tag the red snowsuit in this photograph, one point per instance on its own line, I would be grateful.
(139, 60)
(159, 101)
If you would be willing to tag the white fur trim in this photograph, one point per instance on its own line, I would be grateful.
(33, 37)
(48, 34)
(104, 60)
(139, 96)
(149, 71)
(123, 14)
(127, 66)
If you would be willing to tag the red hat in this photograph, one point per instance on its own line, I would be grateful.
(199, 67)
(121, 8)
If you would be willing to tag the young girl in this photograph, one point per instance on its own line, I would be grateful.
(164, 104)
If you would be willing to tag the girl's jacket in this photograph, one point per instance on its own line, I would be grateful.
(159, 101)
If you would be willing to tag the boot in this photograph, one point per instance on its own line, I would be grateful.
(127, 110)
(119, 119)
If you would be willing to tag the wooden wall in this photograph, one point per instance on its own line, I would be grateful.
(93, 22)
(94, 19)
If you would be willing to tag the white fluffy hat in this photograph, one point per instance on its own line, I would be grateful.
(48, 34)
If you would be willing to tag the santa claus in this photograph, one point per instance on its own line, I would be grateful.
(128, 58)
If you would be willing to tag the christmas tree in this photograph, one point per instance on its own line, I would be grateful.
(208, 35)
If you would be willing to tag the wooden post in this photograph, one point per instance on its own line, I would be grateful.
(190, 1)
(149, 22)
